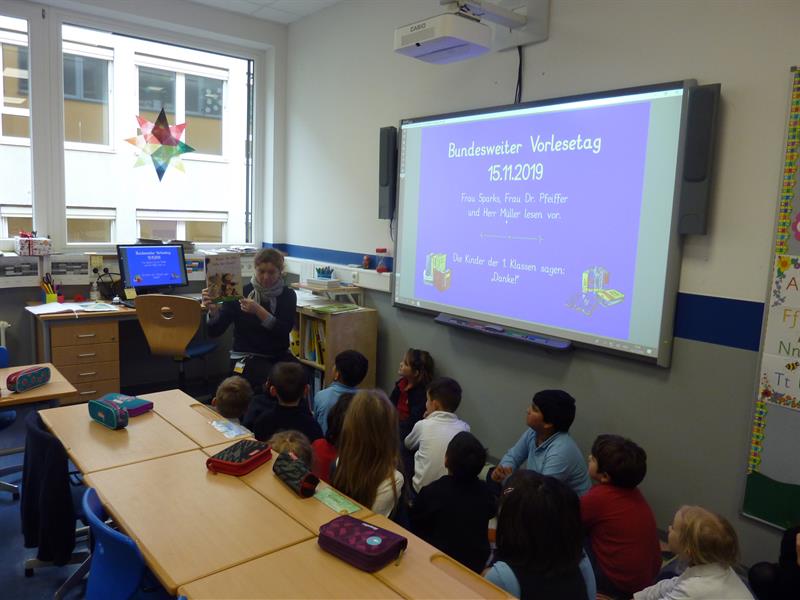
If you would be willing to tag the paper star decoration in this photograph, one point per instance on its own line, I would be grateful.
(161, 143)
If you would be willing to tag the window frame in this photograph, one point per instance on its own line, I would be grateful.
(46, 100)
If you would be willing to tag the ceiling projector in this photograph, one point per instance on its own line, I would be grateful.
(443, 39)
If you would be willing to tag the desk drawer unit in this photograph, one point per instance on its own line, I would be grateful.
(87, 353)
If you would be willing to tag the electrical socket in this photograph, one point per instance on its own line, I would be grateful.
(354, 276)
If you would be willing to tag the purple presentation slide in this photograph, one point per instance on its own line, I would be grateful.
(535, 217)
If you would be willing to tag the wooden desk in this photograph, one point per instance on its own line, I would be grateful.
(301, 571)
(188, 522)
(425, 572)
(85, 348)
(309, 511)
(190, 417)
(93, 447)
(58, 387)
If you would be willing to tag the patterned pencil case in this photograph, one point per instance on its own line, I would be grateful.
(27, 379)
(294, 473)
(361, 544)
(108, 413)
(239, 458)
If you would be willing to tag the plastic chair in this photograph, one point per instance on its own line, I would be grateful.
(169, 324)
(7, 418)
(117, 566)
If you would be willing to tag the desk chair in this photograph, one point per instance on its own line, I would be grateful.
(117, 567)
(7, 418)
(169, 324)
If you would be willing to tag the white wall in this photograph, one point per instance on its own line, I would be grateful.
(345, 82)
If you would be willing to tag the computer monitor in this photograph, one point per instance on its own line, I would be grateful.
(149, 269)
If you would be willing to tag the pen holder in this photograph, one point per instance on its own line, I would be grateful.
(48, 298)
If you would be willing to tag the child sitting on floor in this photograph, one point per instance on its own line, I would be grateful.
(287, 383)
(708, 544)
(539, 541)
(430, 436)
(232, 398)
(546, 446)
(326, 449)
(292, 442)
(349, 370)
(408, 395)
(369, 453)
(453, 512)
(623, 539)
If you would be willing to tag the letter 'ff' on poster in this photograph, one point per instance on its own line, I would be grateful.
(783, 319)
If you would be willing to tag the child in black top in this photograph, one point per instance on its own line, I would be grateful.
(453, 512)
(408, 395)
(287, 383)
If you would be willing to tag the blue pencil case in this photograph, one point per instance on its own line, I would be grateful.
(108, 413)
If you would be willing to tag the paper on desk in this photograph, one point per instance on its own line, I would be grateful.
(52, 308)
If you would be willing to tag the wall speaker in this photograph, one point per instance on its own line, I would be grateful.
(698, 160)
(387, 173)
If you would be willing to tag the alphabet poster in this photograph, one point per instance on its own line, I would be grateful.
(772, 491)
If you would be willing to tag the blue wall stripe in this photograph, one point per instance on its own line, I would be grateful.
(337, 257)
(721, 321)
(735, 323)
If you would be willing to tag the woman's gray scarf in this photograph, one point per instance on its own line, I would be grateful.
(266, 296)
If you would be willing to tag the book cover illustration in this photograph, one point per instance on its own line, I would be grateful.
(224, 277)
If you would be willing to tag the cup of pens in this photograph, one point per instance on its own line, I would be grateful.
(48, 289)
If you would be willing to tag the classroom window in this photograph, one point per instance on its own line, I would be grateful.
(14, 96)
(14, 219)
(87, 93)
(90, 225)
(194, 226)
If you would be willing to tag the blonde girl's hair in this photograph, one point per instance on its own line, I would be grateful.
(294, 442)
(705, 537)
(369, 446)
(269, 255)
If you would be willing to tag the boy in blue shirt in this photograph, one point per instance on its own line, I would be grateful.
(546, 447)
(349, 370)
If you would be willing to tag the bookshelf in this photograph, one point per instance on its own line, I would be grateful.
(335, 332)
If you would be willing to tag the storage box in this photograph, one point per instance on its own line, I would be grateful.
(33, 246)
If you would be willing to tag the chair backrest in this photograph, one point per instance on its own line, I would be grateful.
(117, 565)
(3, 357)
(169, 322)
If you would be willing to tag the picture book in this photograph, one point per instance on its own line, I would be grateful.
(224, 277)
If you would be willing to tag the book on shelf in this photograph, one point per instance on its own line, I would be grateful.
(332, 309)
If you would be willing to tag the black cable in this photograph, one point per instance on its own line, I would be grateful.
(518, 91)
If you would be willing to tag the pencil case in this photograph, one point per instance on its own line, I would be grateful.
(135, 406)
(239, 458)
(27, 379)
(360, 544)
(294, 473)
(108, 413)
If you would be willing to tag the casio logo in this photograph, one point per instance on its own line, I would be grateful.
(418, 26)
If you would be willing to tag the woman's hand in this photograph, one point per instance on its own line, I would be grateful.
(252, 307)
(208, 303)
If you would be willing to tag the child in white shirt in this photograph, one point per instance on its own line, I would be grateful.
(431, 435)
(708, 544)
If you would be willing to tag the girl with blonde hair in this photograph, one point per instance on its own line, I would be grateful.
(369, 455)
(708, 544)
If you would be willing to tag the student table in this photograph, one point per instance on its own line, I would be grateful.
(301, 571)
(93, 447)
(218, 536)
(188, 522)
(189, 416)
(311, 512)
(57, 387)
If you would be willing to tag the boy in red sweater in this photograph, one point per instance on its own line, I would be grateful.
(623, 541)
